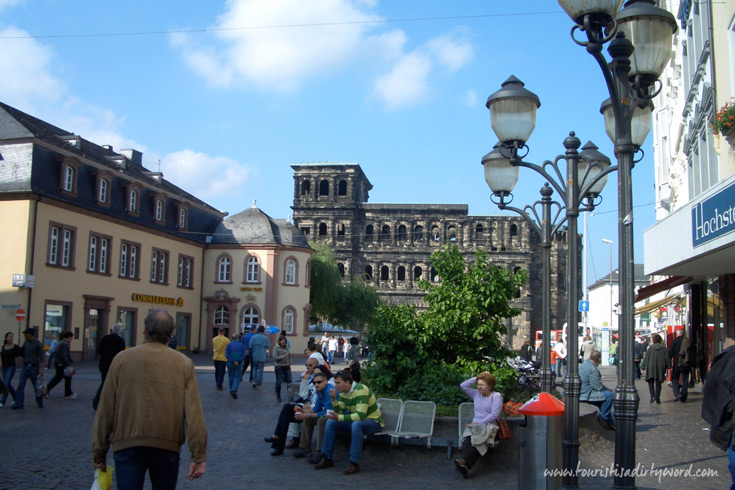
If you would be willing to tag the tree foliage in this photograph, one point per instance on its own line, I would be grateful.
(426, 355)
(350, 304)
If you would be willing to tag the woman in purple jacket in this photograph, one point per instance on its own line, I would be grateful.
(488, 405)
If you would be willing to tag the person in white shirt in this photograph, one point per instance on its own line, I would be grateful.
(561, 362)
(333, 343)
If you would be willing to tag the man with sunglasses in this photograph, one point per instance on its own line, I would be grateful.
(314, 415)
(356, 411)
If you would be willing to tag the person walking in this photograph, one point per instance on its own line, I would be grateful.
(235, 354)
(149, 406)
(219, 344)
(33, 364)
(63, 361)
(561, 358)
(9, 353)
(586, 348)
(679, 354)
(282, 362)
(247, 362)
(259, 347)
(333, 344)
(656, 364)
(52, 351)
(110, 346)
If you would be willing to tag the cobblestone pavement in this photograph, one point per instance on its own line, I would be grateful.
(50, 448)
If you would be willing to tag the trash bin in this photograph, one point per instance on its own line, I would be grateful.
(539, 443)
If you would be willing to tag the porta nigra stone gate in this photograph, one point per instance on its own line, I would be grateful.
(390, 245)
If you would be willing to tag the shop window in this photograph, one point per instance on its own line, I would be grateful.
(57, 318)
(126, 318)
(183, 329)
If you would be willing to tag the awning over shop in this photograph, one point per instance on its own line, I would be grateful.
(661, 286)
(655, 305)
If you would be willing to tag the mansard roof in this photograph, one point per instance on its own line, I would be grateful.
(17, 125)
(253, 226)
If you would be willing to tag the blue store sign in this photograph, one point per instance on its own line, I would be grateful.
(714, 216)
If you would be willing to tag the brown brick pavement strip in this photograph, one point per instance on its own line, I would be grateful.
(49, 448)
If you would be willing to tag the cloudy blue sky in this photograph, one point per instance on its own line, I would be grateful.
(227, 94)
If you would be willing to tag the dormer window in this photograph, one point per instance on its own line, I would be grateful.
(159, 209)
(132, 198)
(183, 215)
(68, 177)
(103, 188)
(133, 201)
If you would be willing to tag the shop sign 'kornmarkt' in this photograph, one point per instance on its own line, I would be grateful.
(161, 300)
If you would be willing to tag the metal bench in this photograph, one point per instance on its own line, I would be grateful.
(391, 410)
(417, 421)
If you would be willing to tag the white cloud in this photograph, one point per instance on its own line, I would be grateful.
(212, 179)
(452, 51)
(406, 83)
(4, 4)
(279, 58)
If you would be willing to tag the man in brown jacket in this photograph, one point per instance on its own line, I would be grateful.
(150, 398)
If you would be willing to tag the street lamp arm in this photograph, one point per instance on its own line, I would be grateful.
(556, 181)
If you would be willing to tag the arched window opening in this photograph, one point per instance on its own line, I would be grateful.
(452, 234)
(221, 316)
(385, 233)
(513, 230)
(224, 269)
(384, 273)
(369, 233)
(290, 271)
(322, 229)
(306, 188)
(341, 268)
(250, 316)
(479, 231)
(434, 275)
(324, 188)
(435, 235)
(342, 188)
(288, 320)
(253, 270)
(341, 229)
(401, 233)
(368, 272)
(418, 233)
(417, 271)
(401, 273)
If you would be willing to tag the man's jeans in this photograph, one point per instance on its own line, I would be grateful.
(258, 372)
(605, 407)
(235, 374)
(27, 373)
(132, 463)
(8, 373)
(680, 389)
(358, 430)
(219, 373)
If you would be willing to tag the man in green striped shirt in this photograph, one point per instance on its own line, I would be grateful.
(357, 412)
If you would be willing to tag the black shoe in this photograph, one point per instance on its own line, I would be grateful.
(276, 452)
(16, 407)
(301, 453)
(605, 424)
(461, 467)
(658, 400)
(279, 400)
(683, 400)
(653, 400)
(677, 398)
(269, 440)
(294, 443)
(219, 388)
(234, 395)
(315, 458)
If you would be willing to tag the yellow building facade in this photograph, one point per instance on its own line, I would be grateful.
(92, 238)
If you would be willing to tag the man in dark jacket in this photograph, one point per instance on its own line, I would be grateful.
(33, 363)
(110, 346)
(718, 403)
(680, 366)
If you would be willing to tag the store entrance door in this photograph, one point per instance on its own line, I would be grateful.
(96, 315)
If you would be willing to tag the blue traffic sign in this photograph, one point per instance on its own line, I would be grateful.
(584, 305)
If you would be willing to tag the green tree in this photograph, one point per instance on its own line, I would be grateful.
(356, 304)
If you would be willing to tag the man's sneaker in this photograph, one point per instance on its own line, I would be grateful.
(324, 464)
(301, 453)
(71, 397)
(1, 405)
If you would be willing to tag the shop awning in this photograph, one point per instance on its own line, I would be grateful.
(660, 303)
(661, 286)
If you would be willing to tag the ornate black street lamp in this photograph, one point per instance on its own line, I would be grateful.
(639, 38)
(513, 117)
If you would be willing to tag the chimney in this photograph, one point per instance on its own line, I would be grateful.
(107, 147)
(134, 156)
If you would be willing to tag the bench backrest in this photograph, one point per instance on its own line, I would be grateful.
(418, 418)
(390, 411)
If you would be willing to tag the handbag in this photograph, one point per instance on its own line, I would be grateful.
(69, 371)
(504, 431)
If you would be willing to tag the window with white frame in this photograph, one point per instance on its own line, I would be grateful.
(250, 316)
(253, 270)
(61, 245)
(224, 269)
(184, 275)
(104, 191)
(221, 316)
(69, 172)
(182, 218)
(290, 271)
(129, 253)
(99, 253)
(159, 266)
(133, 201)
(159, 210)
(289, 317)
